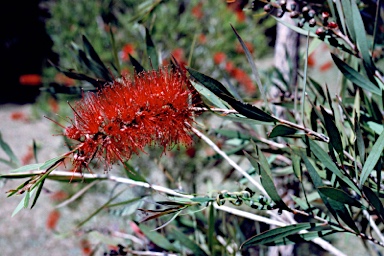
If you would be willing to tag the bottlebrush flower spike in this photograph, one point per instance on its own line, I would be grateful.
(121, 119)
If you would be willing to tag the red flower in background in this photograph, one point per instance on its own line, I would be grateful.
(30, 79)
(127, 50)
(129, 114)
(219, 57)
(197, 11)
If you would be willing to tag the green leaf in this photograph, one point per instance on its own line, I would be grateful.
(276, 234)
(250, 111)
(281, 130)
(343, 213)
(23, 203)
(51, 162)
(98, 83)
(7, 149)
(39, 189)
(301, 238)
(333, 132)
(34, 146)
(359, 140)
(212, 84)
(346, 17)
(252, 64)
(317, 181)
(336, 208)
(373, 157)
(151, 50)
(96, 65)
(114, 50)
(157, 238)
(26, 198)
(296, 166)
(132, 173)
(261, 165)
(296, 28)
(377, 128)
(340, 196)
(19, 206)
(355, 77)
(136, 64)
(214, 100)
(201, 200)
(27, 168)
(211, 229)
(328, 163)
(361, 39)
(184, 240)
(375, 201)
(217, 88)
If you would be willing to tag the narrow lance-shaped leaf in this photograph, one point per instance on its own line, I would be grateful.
(132, 173)
(281, 130)
(344, 9)
(355, 77)
(151, 50)
(343, 213)
(301, 238)
(95, 64)
(361, 39)
(23, 203)
(336, 208)
(340, 196)
(7, 149)
(317, 181)
(276, 234)
(211, 229)
(333, 132)
(212, 84)
(184, 240)
(261, 165)
(114, 50)
(373, 157)
(328, 163)
(38, 191)
(243, 108)
(375, 201)
(359, 140)
(136, 64)
(157, 238)
(252, 63)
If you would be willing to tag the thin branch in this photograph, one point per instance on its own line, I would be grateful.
(150, 253)
(248, 215)
(373, 225)
(319, 136)
(229, 160)
(319, 241)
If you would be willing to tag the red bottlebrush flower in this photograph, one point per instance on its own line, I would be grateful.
(121, 119)
(219, 57)
(202, 39)
(53, 219)
(242, 77)
(30, 79)
(326, 66)
(197, 11)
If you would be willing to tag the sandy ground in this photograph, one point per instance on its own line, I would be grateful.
(26, 233)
